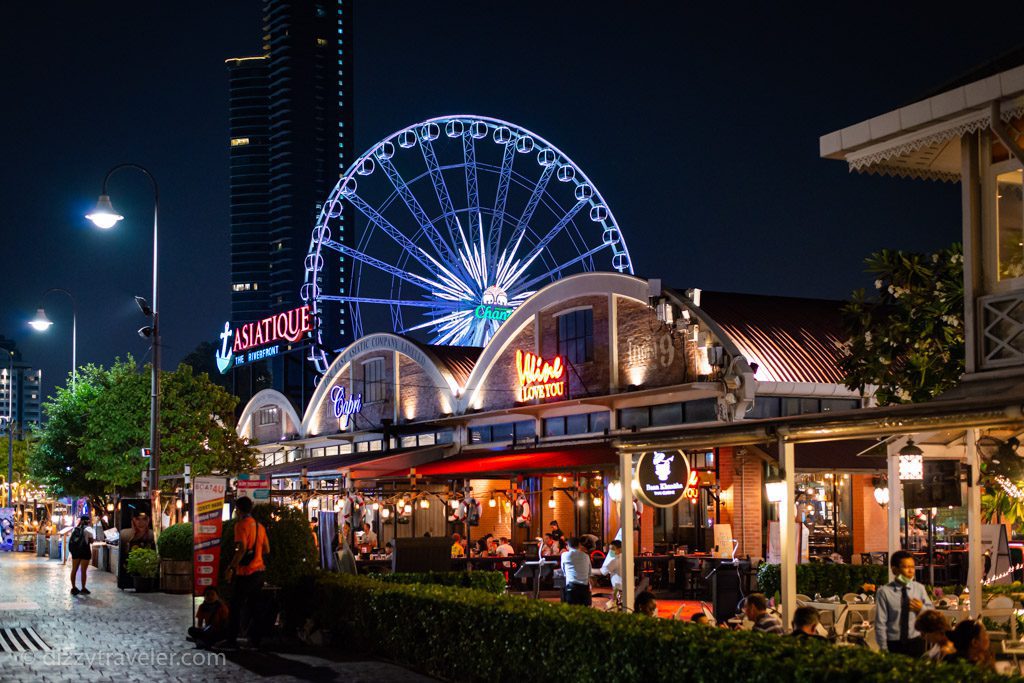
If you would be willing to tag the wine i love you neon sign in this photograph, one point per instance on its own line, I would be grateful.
(539, 379)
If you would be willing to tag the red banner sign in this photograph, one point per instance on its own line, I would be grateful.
(207, 524)
(289, 326)
(537, 378)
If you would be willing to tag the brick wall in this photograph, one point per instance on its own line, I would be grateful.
(589, 378)
(498, 390)
(419, 399)
(648, 354)
(495, 520)
(742, 481)
(870, 520)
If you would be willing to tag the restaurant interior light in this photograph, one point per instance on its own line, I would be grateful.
(615, 491)
(491, 503)
(424, 503)
(775, 490)
(911, 462)
(177, 503)
(110, 507)
(376, 506)
(385, 513)
(597, 501)
(407, 509)
(581, 501)
(882, 495)
(551, 502)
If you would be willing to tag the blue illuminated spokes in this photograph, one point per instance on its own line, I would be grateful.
(427, 255)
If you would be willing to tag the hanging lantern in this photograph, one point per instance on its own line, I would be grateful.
(424, 503)
(407, 509)
(775, 490)
(551, 502)
(597, 501)
(615, 491)
(492, 503)
(376, 506)
(385, 513)
(911, 463)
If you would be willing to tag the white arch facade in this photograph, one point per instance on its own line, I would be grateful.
(265, 399)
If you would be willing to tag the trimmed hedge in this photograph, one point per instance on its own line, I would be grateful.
(175, 543)
(827, 579)
(490, 582)
(441, 630)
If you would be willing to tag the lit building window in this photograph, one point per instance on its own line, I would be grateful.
(268, 416)
(238, 142)
(321, 42)
(1010, 224)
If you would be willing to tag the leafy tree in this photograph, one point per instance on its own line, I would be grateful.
(55, 460)
(201, 360)
(196, 426)
(908, 341)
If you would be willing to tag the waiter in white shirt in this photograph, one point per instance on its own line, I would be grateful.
(576, 567)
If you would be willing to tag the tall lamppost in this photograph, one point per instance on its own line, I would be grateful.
(10, 427)
(41, 323)
(105, 217)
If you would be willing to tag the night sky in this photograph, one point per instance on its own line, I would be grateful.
(700, 130)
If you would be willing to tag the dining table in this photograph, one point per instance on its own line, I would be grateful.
(844, 613)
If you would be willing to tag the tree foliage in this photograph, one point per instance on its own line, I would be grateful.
(908, 339)
(95, 430)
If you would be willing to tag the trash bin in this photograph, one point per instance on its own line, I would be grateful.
(55, 546)
(725, 591)
(41, 548)
(99, 556)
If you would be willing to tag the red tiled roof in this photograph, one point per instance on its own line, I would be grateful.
(790, 339)
(565, 459)
(458, 360)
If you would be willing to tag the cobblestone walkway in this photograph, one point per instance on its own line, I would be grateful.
(115, 635)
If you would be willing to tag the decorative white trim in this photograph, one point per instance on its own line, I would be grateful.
(264, 399)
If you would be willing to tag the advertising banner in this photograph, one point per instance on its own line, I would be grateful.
(207, 504)
(258, 490)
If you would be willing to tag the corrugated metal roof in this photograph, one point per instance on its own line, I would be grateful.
(791, 339)
(458, 360)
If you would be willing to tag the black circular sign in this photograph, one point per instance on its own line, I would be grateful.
(661, 477)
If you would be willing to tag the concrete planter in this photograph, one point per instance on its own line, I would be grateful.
(175, 576)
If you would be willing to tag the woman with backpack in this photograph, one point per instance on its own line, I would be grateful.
(80, 548)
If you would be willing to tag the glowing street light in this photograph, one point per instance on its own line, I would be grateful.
(42, 323)
(104, 216)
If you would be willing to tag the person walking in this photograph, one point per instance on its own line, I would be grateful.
(246, 572)
(576, 567)
(897, 605)
(80, 548)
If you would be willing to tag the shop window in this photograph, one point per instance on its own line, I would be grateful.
(583, 423)
(576, 336)
(667, 414)
(1010, 224)
(506, 431)
(373, 380)
(600, 421)
(635, 417)
(704, 410)
(408, 442)
(554, 426)
(444, 437)
(577, 424)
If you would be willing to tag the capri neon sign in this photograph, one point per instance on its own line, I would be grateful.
(539, 379)
(345, 406)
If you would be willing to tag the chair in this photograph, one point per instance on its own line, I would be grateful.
(1001, 609)
(850, 598)
(801, 598)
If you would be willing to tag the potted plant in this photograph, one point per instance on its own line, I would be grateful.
(175, 549)
(144, 566)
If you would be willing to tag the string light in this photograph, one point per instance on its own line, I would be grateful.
(424, 503)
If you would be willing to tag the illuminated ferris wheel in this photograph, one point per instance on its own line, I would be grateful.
(459, 219)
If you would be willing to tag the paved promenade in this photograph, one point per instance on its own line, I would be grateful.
(115, 635)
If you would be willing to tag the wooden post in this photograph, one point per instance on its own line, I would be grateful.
(626, 521)
(787, 532)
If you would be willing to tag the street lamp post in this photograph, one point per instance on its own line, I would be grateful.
(10, 427)
(41, 323)
(104, 217)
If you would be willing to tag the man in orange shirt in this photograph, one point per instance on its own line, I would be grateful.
(246, 572)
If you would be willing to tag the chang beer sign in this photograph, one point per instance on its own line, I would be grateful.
(261, 339)
(493, 306)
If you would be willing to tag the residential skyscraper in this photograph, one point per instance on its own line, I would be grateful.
(20, 393)
(290, 140)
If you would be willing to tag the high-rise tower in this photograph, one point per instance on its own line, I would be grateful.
(290, 141)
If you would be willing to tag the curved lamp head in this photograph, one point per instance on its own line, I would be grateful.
(104, 216)
(40, 323)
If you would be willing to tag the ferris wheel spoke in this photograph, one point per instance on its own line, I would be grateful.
(443, 197)
(531, 206)
(544, 242)
(500, 199)
(557, 269)
(392, 302)
(472, 185)
(394, 233)
(413, 204)
(436, 288)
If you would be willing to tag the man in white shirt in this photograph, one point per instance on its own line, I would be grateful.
(612, 566)
(548, 548)
(576, 566)
(369, 538)
(505, 548)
